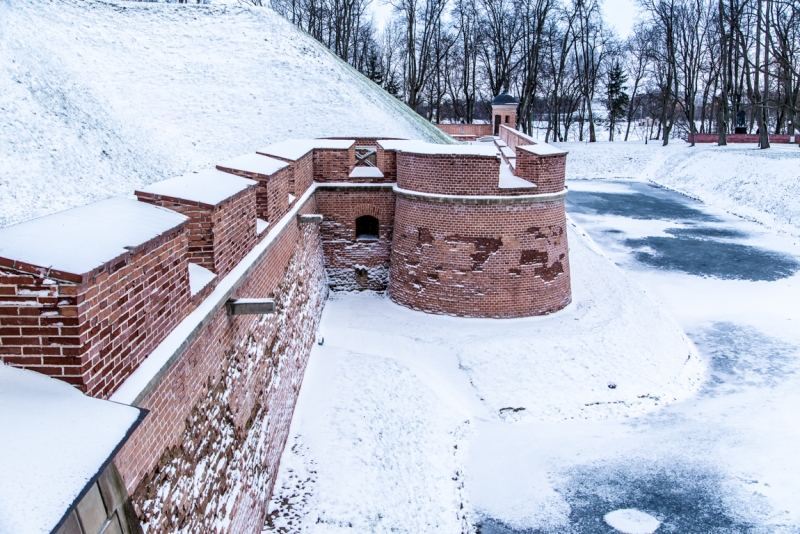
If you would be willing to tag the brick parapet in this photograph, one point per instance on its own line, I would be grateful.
(449, 174)
(272, 191)
(548, 172)
(94, 334)
(387, 163)
(220, 235)
(474, 130)
(332, 165)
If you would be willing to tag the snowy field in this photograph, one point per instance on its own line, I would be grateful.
(100, 98)
(397, 403)
(760, 185)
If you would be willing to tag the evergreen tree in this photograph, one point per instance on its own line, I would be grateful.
(373, 70)
(391, 86)
(618, 100)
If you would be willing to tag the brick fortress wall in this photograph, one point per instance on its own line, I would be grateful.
(229, 400)
(226, 394)
(480, 260)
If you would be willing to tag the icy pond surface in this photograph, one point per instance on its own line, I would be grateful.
(724, 460)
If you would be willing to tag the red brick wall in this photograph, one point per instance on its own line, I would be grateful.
(514, 138)
(340, 209)
(93, 334)
(333, 165)
(219, 236)
(742, 138)
(387, 163)
(448, 174)
(234, 230)
(478, 130)
(497, 260)
(547, 172)
(228, 401)
(272, 192)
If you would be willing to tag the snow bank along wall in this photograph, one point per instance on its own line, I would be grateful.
(126, 299)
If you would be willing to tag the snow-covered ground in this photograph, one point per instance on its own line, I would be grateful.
(760, 185)
(395, 400)
(100, 98)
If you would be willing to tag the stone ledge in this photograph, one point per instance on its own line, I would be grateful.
(486, 200)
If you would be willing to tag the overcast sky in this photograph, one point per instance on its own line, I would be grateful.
(618, 13)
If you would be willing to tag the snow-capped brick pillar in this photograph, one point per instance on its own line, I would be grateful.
(312, 160)
(272, 175)
(334, 165)
(386, 162)
(222, 212)
(220, 413)
(543, 165)
(91, 304)
(356, 262)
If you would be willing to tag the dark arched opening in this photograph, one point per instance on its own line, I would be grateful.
(366, 227)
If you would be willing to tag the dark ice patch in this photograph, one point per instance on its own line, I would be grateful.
(717, 259)
(655, 204)
(708, 232)
(686, 501)
(743, 356)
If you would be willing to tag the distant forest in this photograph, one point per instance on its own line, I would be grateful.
(689, 66)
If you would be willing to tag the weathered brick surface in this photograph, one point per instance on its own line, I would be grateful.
(742, 138)
(514, 138)
(477, 130)
(448, 174)
(333, 165)
(219, 235)
(387, 163)
(507, 260)
(547, 172)
(93, 334)
(272, 192)
(228, 402)
(354, 264)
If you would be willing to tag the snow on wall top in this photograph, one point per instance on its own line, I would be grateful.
(208, 186)
(55, 440)
(117, 95)
(255, 163)
(294, 149)
(82, 239)
(422, 147)
(542, 149)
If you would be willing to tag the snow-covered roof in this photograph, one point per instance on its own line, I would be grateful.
(256, 163)
(423, 147)
(294, 149)
(543, 149)
(82, 239)
(55, 439)
(366, 172)
(208, 186)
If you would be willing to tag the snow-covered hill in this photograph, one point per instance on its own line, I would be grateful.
(99, 98)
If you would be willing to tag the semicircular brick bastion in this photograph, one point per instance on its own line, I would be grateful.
(465, 245)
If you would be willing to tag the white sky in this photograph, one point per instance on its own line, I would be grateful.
(618, 13)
